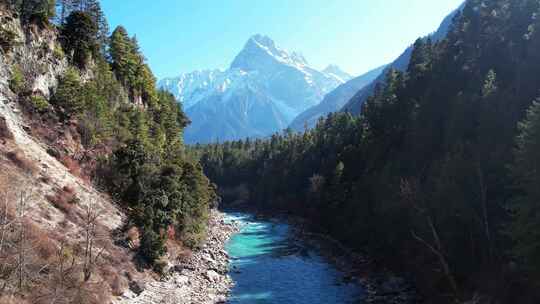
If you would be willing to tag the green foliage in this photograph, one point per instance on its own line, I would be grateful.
(7, 39)
(163, 188)
(17, 82)
(39, 103)
(35, 11)
(420, 179)
(136, 128)
(490, 84)
(68, 95)
(162, 193)
(79, 37)
(96, 122)
(152, 245)
(58, 52)
(129, 67)
(527, 209)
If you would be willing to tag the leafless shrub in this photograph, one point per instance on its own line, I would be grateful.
(69, 189)
(48, 266)
(43, 246)
(64, 199)
(11, 299)
(22, 162)
(72, 166)
(91, 235)
(133, 237)
(45, 179)
(5, 132)
(117, 283)
(18, 264)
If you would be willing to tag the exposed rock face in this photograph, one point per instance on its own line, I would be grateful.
(202, 279)
(33, 51)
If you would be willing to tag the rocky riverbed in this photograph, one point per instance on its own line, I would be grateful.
(381, 286)
(201, 279)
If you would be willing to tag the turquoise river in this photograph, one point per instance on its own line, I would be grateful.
(269, 268)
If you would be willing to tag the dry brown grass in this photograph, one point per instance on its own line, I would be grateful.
(64, 199)
(5, 132)
(45, 179)
(12, 300)
(69, 189)
(119, 285)
(70, 289)
(73, 166)
(117, 282)
(22, 162)
(60, 202)
(43, 245)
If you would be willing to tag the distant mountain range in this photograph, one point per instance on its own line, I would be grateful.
(264, 89)
(334, 100)
(267, 89)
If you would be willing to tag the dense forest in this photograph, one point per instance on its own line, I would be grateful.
(131, 131)
(439, 174)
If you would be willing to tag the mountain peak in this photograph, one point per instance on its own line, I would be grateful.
(336, 71)
(298, 57)
(261, 52)
(262, 40)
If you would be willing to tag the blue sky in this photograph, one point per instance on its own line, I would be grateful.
(183, 35)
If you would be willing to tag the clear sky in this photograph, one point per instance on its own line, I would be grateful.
(184, 35)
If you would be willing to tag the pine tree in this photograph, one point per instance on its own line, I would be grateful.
(68, 94)
(64, 9)
(79, 37)
(526, 170)
(93, 8)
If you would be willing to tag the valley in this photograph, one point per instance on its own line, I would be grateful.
(275, 179)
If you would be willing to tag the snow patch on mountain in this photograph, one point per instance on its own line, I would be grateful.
(261, 92)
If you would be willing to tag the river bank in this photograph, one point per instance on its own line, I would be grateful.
(201, 279)
(204, 277)
(269, 266)
(381, 285)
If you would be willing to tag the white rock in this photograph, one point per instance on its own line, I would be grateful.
(212, 276)
(181, 280)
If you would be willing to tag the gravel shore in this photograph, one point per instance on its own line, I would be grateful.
(202, 279)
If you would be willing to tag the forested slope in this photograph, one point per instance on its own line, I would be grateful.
(438, 176)
(80, 112)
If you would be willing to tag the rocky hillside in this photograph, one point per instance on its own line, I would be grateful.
(75, 226)
(43, 197)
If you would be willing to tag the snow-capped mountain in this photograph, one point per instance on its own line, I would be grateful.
(193, 87)
(264, 89)
(335, 71)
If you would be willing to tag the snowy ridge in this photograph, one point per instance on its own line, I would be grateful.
(263, 90)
